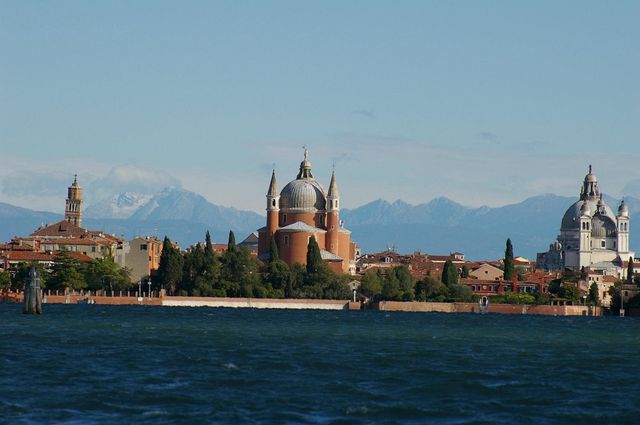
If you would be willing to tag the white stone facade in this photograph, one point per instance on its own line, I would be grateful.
(591, 235)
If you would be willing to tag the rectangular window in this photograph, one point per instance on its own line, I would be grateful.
(143, 247)
(603, 244)
(286, 240)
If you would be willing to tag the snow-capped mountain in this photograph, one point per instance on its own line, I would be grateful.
(123, 205)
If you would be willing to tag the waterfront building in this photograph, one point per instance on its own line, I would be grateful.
(591, 235)
(142, 257)
(303, 210)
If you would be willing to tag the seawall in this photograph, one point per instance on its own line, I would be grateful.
(546, 310)
(296, 304)
(311, 304)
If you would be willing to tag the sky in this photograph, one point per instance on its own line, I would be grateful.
(485, 102)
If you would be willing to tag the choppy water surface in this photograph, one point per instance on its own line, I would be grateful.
(95, 364)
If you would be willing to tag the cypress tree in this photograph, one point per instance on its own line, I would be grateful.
(314, 258)
(630, 271)
(449, 274)
(231, 245)
(465, 271)
(508, 262)
(273, 249)
(169, 274)
(208, 247)
(593, 294)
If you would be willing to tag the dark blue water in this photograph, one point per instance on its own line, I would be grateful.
(94, 364)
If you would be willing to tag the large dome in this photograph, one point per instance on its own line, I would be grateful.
(571, 219)
(303, 195)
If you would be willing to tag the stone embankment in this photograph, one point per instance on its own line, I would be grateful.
(296, 304)
(546, 310)
(307, 304)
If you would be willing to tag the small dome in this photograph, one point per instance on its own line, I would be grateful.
(602, 227)
(584, 209)
(623, 210)
(304, 195)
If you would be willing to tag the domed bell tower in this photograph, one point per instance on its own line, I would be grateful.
(585, 235)
(623, 230)
(73, 208)
(333, 218)
(273, 206)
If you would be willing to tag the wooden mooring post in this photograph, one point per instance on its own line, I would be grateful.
(32, 294)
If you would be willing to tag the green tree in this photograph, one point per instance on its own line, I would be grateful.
(314, 258)
(460, 293)
(449, 274)
(371, 284)
(104, 273)
(465, 271)
(169, 273)
(630, 271)
(231, 243)
(431, 289)
(239, 272)
(273, 249)
(508, 262)
(65, 272)
(208, 246)
(593, 294)
(570, 291)
(5, 281)
(21, 276)
(511, 298)
(279, 277)
(406, 282)
(391, 288)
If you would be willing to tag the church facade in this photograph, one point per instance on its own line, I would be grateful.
(303, 210)
(591, 235)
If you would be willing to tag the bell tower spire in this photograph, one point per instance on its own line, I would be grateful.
(273, 205)
(333, 216)
(73, 207)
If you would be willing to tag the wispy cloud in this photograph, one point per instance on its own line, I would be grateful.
(487, 136)
(366, 113)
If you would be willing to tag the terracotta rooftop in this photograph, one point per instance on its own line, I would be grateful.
(26, 256)
(61, 228)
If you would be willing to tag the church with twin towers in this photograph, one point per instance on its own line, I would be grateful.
(301, 210)
(591, 235)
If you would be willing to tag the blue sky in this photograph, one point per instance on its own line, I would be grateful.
(486, 102)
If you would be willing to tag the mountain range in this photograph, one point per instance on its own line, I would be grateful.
(438, 227)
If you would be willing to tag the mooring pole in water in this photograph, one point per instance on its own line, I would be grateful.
(32, 294)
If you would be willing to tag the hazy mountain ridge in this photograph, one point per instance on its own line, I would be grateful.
(442, 225)
(439, 226)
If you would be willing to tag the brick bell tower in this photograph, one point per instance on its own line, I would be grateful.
(333, 218)
(73, 208)
(273, 206)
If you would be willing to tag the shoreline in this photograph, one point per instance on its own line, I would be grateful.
(316, 304)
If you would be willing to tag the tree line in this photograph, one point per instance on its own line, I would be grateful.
(200, 271)
(67, 272)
